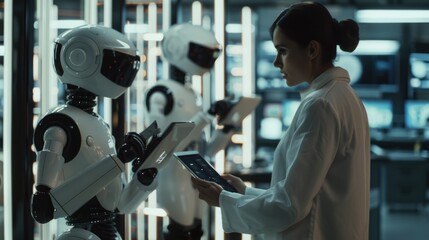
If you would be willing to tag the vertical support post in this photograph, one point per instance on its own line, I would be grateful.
(220, 76)
(248, 126)
(18, 115)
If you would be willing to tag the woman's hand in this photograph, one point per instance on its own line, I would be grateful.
(209, 191)
(236, 182)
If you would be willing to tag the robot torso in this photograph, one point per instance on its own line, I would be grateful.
(88, 140)
(169, 101)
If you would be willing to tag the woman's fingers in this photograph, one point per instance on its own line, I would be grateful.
(199, 182)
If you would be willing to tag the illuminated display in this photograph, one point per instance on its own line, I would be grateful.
(416, 113)
(380, 113)
(419, 70)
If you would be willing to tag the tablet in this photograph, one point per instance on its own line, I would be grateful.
(239, 111)
(200, 168)
(162, 147)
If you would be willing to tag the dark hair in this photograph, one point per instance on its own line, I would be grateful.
(307, 21)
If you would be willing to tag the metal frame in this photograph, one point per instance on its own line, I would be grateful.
(18, 112)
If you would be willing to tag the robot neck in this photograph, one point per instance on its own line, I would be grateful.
(177, 75)
(80, 98)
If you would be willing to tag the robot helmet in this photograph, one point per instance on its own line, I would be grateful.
(96, 58)
(190, 48)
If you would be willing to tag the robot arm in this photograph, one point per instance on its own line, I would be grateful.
(76, 191)
(219, 140)
(221, 136)
(137, 190)
(68, 197)
(201, 120)
(230, 115)
(71, 195)
(50, 162)
(159, 151)
(144, 181)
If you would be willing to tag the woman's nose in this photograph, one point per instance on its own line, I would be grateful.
(277, 63)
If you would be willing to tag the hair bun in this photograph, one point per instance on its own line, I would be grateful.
(347, 34)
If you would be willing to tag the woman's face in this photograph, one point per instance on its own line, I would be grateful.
(292, 59)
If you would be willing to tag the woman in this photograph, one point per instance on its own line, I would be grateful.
(320, 181)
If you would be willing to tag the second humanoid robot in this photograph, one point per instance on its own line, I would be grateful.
(191, 50)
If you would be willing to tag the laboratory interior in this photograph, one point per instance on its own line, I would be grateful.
(389, 70)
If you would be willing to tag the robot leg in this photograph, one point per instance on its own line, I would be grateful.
(177, 231)
(197, 230)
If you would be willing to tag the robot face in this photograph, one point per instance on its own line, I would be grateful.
(191, 54)
(202, 55)
(119, 68)
(97, 59)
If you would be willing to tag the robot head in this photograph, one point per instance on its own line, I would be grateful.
(190, 48)
(96, 58)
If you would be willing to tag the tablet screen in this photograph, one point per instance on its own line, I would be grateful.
(202, 169)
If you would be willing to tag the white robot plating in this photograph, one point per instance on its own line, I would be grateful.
(79, 169)
(193, 50)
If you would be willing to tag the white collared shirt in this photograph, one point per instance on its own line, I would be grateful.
(321, 172)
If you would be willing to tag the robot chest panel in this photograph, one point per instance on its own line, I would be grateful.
(95, 139)
(187, 102)
(185, 107)
(97, 142)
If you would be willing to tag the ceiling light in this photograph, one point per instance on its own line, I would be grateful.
(392, 16)
(379, 47)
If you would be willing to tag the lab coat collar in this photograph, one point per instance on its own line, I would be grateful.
(335, 73)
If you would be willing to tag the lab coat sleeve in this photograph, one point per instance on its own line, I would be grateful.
(287, 201)
(253, 191)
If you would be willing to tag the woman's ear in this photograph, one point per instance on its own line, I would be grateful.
(313, 49)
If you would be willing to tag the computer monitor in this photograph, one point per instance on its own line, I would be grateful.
(289, 108)
(416, 114)
(419, 70)
(380, 113)
(370, 70)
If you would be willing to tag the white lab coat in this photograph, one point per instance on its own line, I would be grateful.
(321, 172)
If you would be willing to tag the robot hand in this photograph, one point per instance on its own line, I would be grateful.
(42, 207)
(146, 176)
(135, 144)
(221, 109)
(229, 128)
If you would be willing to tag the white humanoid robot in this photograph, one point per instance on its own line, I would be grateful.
(191, 50)
(79, 171)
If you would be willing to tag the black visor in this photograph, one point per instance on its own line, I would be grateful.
(203, 56)
(120, 68)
